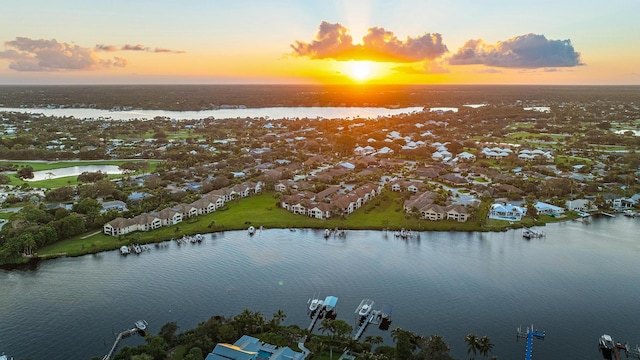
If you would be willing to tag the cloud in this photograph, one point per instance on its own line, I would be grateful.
(163, 50)
(526, 52)
(489, 71)
(429, 67)
(101, 47)
(25, 54)
(137, 47)
(333, 41)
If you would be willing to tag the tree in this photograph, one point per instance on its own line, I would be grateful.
(472, 344)
(25, 173)
(168, 330)
(63, 193)
(277, 319)
(485, 346)
(405, 342)
(194, 354)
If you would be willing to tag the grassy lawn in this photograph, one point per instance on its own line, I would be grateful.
(572, 160)
(527, 135)
(261, 210)
(44, 165)
(67, 180)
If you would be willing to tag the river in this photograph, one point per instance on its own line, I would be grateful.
(578, 282)
(243, 113)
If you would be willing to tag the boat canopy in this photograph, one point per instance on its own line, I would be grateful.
(330, 301)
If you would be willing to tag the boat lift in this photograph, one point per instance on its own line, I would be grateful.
(530, 334)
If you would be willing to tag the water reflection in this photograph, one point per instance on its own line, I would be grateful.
(73, 171)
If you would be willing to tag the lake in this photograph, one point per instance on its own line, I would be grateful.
(267, 113)
(73, 171)
(578, 282)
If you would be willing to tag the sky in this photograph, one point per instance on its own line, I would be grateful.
(572, 42)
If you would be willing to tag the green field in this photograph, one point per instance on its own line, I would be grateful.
(68, 180)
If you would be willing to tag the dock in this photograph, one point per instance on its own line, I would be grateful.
(139, 328)
(318, 309)
(608, 346)
(364, 324)
(606, 214)
(530, 334)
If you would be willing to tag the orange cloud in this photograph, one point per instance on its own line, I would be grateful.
(333, 41)
(137, 47)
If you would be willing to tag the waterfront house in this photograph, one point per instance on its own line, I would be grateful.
(169, 216)
(204, 205)
(583, 205)
(548, 209)
(119, 226)
(501, 211)
(187, 210)
(251, 348)
(319, 211)
(147, 222)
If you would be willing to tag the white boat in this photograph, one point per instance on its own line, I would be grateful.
(4, 357)
(314, 304)
(365, 307)
(606, 342)
(137, 249)
(251, 230)
(124, 250)
(327, 233)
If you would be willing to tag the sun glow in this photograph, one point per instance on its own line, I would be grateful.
(360, 70)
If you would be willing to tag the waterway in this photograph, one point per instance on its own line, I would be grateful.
(243, 113)
(578, 282)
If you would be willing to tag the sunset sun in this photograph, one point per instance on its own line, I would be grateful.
(360, 70)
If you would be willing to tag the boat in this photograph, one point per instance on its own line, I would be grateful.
(124, 250)
(141, 325)
(198, 238)
(606, 342)
(531, 234)
(630, 213)
(5, 357)
(364, 310)
(251, 230)
(137, 249)
(327, 233)
(365, 307)
(314, 304)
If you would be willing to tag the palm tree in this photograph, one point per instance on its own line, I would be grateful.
(328, 326)
(472, 344)
(485, 346)
(277, 319)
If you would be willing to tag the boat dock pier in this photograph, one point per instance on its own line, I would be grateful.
(530, 334)
(608, 346)
(314, 319)
(321, 308)
(140, 327)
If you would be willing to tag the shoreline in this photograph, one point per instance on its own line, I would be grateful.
(32, 262)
